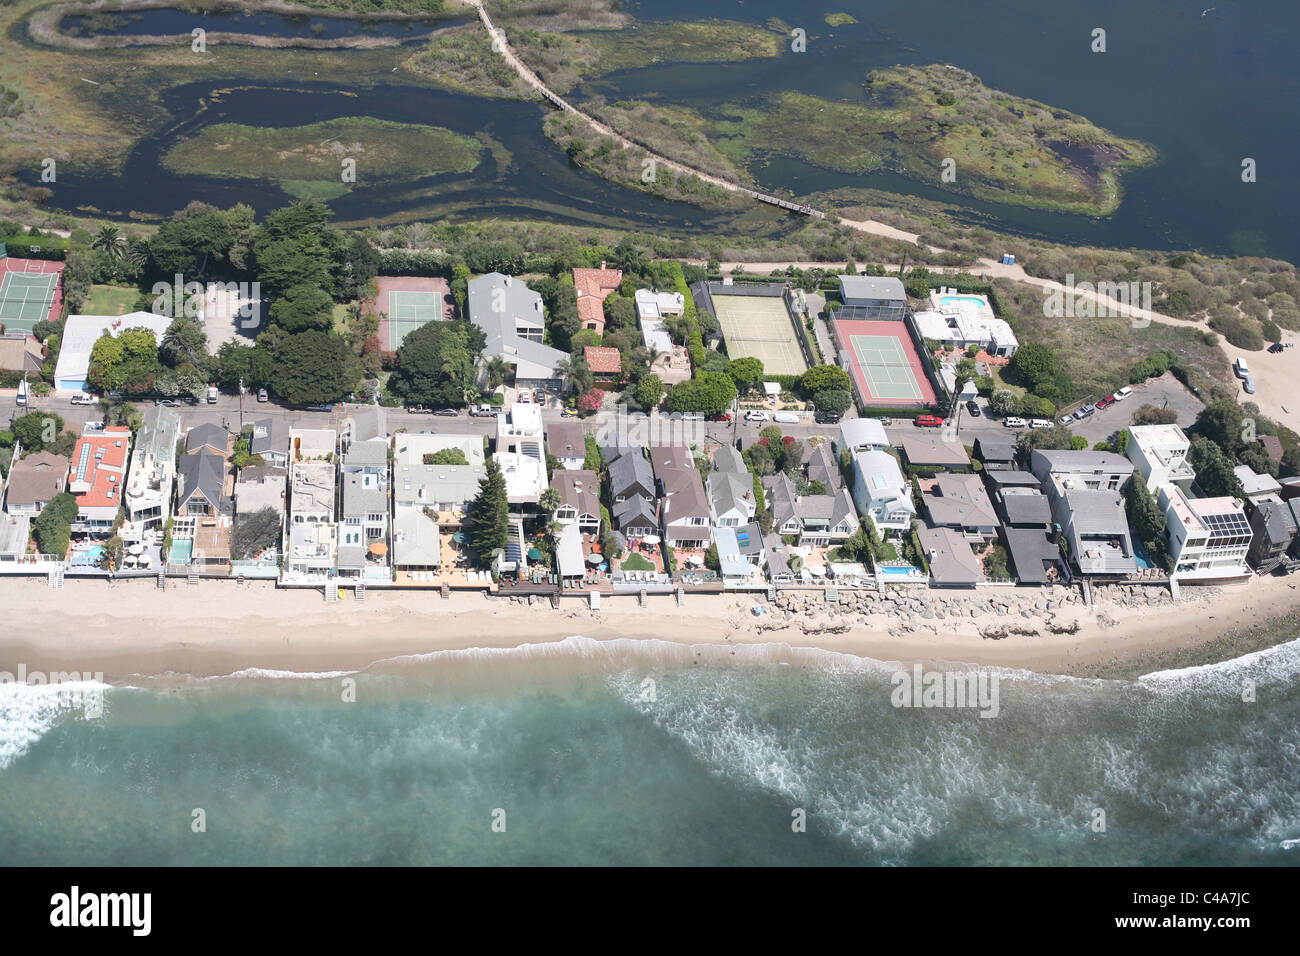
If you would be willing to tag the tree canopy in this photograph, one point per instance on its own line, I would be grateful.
(435, 364)
(314, 367)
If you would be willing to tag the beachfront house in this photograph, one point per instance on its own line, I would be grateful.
(1274, 524)
(261, 486)
(880, 491)
(363, 511)
(1256, 486)
(816, 520)
(739, 566)
(995, 454)
(96, 477)
(34, 481)
(311, 546)
(1209, 538)
(1068, 470)
(521, 452)
(683, 504)
(952, 562)
(447, 490)
(731, 489)
(152, 476)
(820, 464)
(579, 500)
(205, 508)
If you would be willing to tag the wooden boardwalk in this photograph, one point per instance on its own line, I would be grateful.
(502, 46)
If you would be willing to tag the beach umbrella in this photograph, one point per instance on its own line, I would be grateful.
(378, 548)
(534, 554)
(593, 559)
(458, 537)
(651, 539)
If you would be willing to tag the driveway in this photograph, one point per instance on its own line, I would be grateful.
(1163, 392)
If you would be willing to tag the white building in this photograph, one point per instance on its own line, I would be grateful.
(1208, 537)
(1159, 453)
(81, 332)
(311, 548)
(521, 452)
(964, 319)
(153, 472)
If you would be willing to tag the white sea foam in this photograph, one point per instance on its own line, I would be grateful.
(29, 711)
(1278, 663)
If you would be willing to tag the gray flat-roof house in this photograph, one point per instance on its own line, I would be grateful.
(874, 297)
(1087, 470)
(952, 563)
(960, 502)
(1035, 557)
(510, 315)
(995, 454)
(447, 490)
(1096, 529)
(881, 491)
(1255, 485)
(1018, 499)
(270, 439)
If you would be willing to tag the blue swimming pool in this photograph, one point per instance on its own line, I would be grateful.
(895, 569)
(973, 299)
(180, 553)
(1141, 556)
(87, 557)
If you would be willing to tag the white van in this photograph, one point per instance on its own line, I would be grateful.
(21, 400)
(1013, 422)
(81, 398)
(1241, 368)
(1040, 423)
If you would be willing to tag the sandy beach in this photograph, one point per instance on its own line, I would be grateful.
(217, 628)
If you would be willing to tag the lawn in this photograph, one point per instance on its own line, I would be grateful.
(634, 562)
(110, 300)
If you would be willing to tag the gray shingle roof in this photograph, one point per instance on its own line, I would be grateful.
(629, 471)
(201, 471)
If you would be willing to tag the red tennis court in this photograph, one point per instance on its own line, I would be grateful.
(883, 363)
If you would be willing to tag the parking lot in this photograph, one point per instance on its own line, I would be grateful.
(1163, 392)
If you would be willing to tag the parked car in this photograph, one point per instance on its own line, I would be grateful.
(1106, 402)
(720, 417)
(1122, 394)
(262, 396)
(212, 394)
(786, 418)
(1040, 423)
(1013, 422)
(1277, 347)
(81, 398)
(1065, 420)
(1084, 412)
(483, 411)
(323, 407)
(973, 407)
(1248, 384)
(447, 413)
(825, 418)
(929, 421)
(1241, 369)
(166, 402)
(752, 417)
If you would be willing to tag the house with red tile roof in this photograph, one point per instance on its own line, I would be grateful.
(606, 364)
(97, 476)
(593, 286)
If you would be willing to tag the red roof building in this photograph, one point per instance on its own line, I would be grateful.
(96, 477)
(593, 286)
(604, 362)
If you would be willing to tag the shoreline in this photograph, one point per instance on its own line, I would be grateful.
(216, 629)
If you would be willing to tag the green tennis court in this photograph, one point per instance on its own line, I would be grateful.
(886, 366)
(407, 311)
(25, 298)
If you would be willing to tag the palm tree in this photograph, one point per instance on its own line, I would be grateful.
(109, 240)
(496, 368)
(549, 500)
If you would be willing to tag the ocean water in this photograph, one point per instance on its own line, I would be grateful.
(649, 753)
